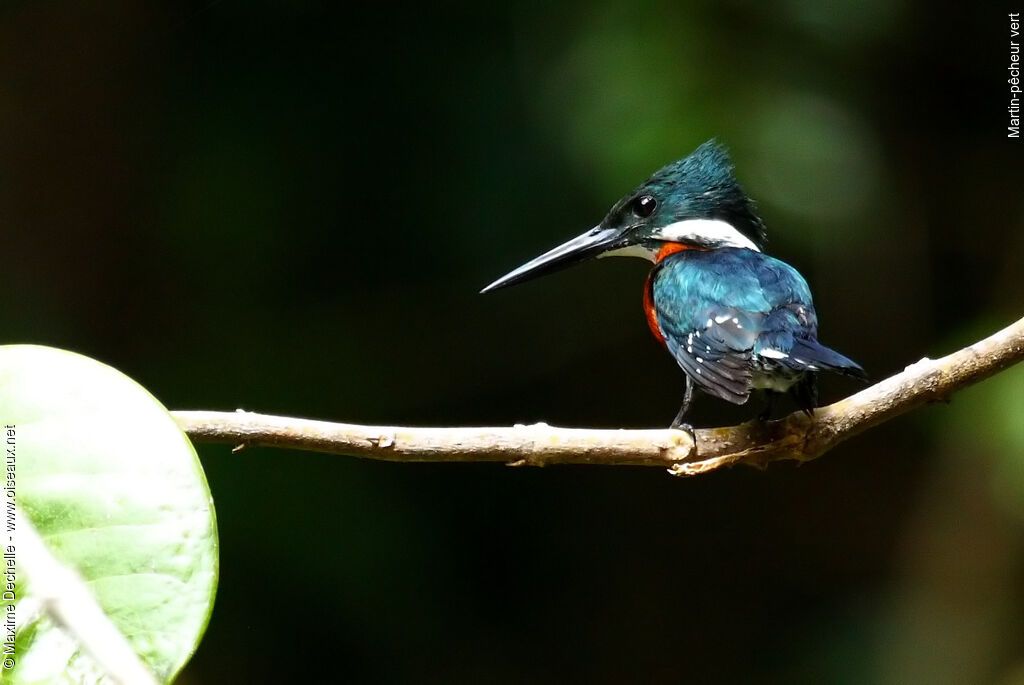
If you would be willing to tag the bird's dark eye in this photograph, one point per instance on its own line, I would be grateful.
(644, 206)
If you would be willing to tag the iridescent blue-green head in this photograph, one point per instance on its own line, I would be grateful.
(694, 203)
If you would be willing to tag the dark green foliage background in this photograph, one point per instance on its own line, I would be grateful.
(290, 206)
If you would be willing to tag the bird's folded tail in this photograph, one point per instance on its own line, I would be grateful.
(813, 353)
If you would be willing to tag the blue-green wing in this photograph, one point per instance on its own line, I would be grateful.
(718, 309)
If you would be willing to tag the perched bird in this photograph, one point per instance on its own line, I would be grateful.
(734, 318)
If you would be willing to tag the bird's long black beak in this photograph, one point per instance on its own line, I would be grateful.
(590, 244)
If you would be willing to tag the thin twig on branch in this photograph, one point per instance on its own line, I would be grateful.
(795, 437)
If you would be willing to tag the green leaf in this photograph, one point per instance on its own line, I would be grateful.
(116, 491)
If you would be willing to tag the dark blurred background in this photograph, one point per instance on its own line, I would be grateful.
(290, 207)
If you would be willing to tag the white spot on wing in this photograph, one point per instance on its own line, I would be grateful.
(773, 354)
(723, 318)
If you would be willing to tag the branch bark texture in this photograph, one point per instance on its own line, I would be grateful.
(795, 437)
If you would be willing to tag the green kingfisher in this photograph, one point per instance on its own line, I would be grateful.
(734, 318)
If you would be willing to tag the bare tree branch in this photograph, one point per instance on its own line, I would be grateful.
(796, 437)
